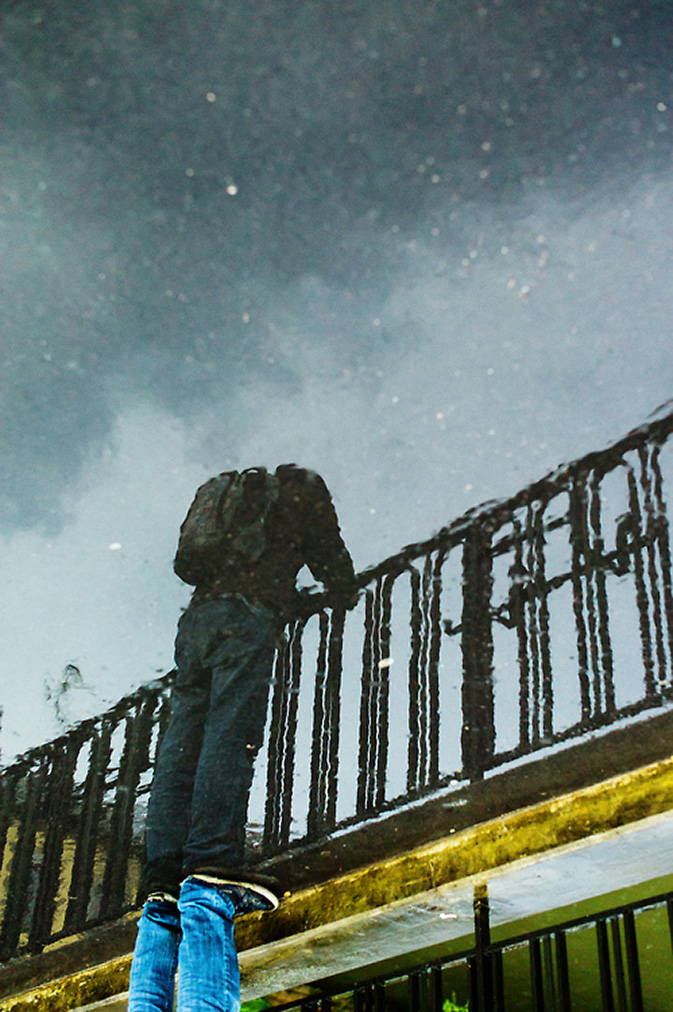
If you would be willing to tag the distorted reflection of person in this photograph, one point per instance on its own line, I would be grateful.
(242, 545)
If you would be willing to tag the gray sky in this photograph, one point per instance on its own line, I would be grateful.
(423, 247)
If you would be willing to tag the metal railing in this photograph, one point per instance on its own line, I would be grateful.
(521, 625)
(619, 958)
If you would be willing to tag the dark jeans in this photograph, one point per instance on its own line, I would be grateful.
(198, 807)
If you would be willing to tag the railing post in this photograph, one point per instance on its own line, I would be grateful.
(134, 760)
(57, 819)
(664, 544)
(478, 734)
(374, 699)
(90, 811)
(323, 787)
(18, 903)
(282, 741)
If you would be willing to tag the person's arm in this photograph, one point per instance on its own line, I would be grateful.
(323, 547)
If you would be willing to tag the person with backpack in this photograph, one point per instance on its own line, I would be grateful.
(243, 542)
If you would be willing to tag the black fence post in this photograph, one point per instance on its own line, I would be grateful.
(604, 967)
(536, 975)
(482, 976)
(436, 989)
(562, 971)
(415, 992)
(633, 962)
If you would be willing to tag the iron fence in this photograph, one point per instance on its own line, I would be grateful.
(616, 959)
(519, 626)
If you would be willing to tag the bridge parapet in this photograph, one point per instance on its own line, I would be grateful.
(522, 626)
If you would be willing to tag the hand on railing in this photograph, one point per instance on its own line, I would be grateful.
(310, 601)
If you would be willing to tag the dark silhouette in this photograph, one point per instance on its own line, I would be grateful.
(242, 545)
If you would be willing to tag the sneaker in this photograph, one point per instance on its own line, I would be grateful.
(246, 896)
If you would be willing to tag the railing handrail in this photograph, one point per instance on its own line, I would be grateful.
(492, 510)
(81, 728)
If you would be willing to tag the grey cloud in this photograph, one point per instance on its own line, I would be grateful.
(198, 195)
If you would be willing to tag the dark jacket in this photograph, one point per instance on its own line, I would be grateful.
(301, 528)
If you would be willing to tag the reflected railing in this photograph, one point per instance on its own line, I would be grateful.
(521, 625)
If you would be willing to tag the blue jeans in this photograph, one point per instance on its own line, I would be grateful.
(194, 936)
(224, 653)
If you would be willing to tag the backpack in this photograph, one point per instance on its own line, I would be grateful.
(226, 524)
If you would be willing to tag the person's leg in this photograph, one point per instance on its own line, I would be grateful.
(241, 662)
(208, 975)
(171, 796)
(155, 957)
